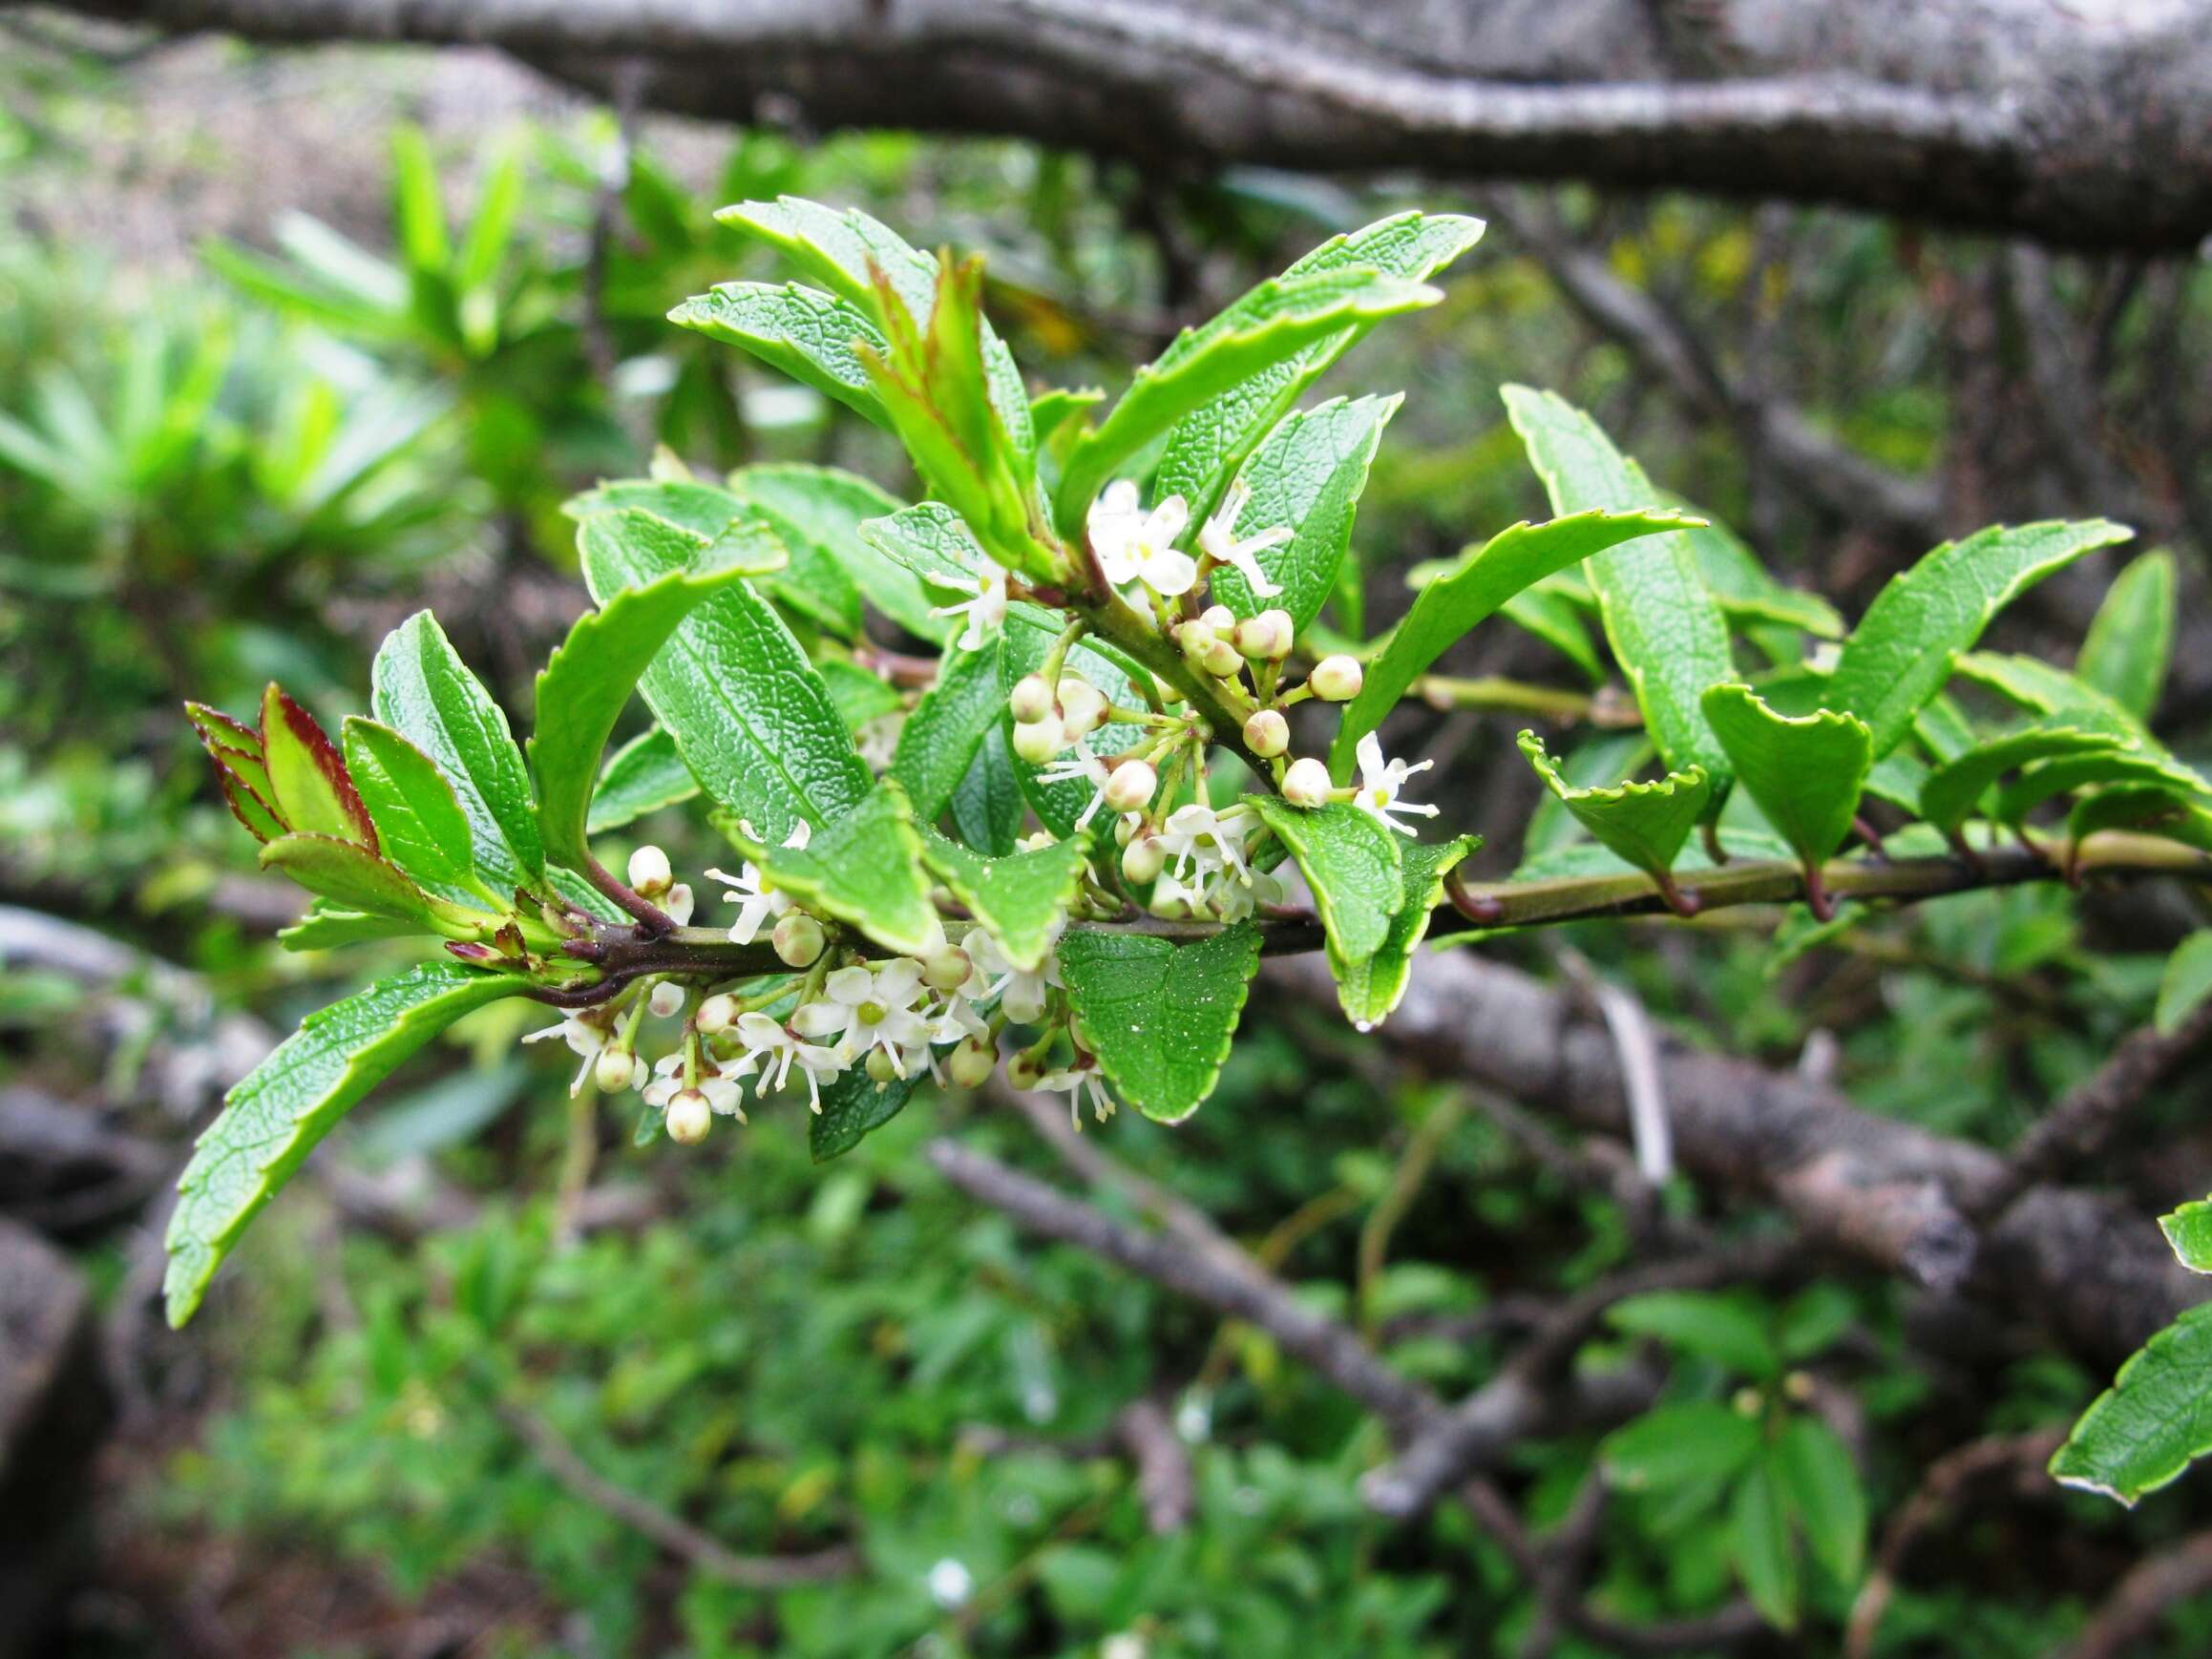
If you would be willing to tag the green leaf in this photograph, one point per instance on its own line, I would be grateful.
(1954, 789)
(2152, 809)
(815, 338)
(1274, 321)
(2186, 983)
(932, 542)
(419, 821)
(1210, 444)
(1581, 860)
(349, 872)
(938, 741)
(2131, 638)
(1806, 772)
(987, 807)
(274, 1117)
(1758, 1529)
(325, 928)
(1820, 1485)
(1645, 824)
(1901, 653)
(748, 712)
(644, 775)
(1159, 1015)
(588, 680)
(1020, 899)
(854, 1107)
(860, 694)
(1673, 1444)
(1306, 476)
(823, 510)
(417, 205)
(863, 868)
(1371, 987)
(309, 788)
(1715, 1326)
(1352, 863)
(1025, 643)
(2189, 1228)
(1744, 590)
(746, 537)
(2046, 780)
(2144, 1430)
(423, 691)
(1555, 619)
(1666, 632)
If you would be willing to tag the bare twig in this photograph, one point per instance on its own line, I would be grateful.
(2152, 1588)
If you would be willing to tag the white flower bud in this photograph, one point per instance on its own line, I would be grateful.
(798, 939)
(1221, 660)
(1170, 905)
(1082, 706)
(1031, 699)
(665, 1000)
(1219, 617)
(717, 1014)
(1336, 679)
(882, 1068)
(1196, 637)
(689, 1118)
(1268, 636)
(1307, 784)
(946, 968)
(614, 1068)
(1144, 858)
(1267, 733)
(1125, 827)
(1037, 740)
(1131, 786)
(677, 902)
(973, 1062)
(1023, 1070)
(649, 871)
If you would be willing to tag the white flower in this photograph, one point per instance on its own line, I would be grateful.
(750, 890)
(1219, 538)
(866, 1010)
(1379, 785)
(1022, 992)
(877, 739)
(986, 612)
(582, 1035)
(1133, 545)
(1075, 1083)
(1197, 834)
(950, 1584)
(721, 1089)
(1232, 897)
(773, 1050)
(1080, 767)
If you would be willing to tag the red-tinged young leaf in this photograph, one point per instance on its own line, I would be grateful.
(246, 805)
(348, 872)
(234, 745)
(313, 792)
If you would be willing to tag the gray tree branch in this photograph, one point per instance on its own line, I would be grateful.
(2084, 125)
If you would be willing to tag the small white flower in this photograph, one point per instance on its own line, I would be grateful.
(721, 1089)
(1219, 538)
(1022, 992)
(677, 903)
(771, 1050)
(1080, 767)
(1197, 834)
(582, 1035)
(1076, 1081)
(950, 1584)
(1232, 897)
(877, 739)
(665, 1000)
(866, 1010)
(755, 900)
(1133, 545)
(1379, 785)
(986, 612)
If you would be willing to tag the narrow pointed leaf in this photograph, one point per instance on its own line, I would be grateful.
(1159, 1015)
(1306, 476)
(419, 821)
(2126, 768)
(587, 681)
(2182, 990)
(1901, 653)
(644, 775)
(1760, 1532)
(329, 928)
(423, 691)
(1371, 987)
(1354, 866)
(2130, 642)
(854, 1107)
(274, 1117)
(1806, 772)
(1820, 1485)
(1674, 1444)
(347, 871)
(2149, 809)
(1554, 618)
(1744, 590)
(234, 746)
(938, 741)
(1954, 789)
(1666, 631)
(1022, 899)
(1645, 824)
(988, 806)
(246, 805)
(748, 712)
(310, 790)
(863, 868)
(1475, 587)
(2142, 1432)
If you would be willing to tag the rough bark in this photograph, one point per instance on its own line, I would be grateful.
(2071, 124)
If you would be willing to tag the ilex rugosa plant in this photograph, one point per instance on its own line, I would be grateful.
(1132, 760)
